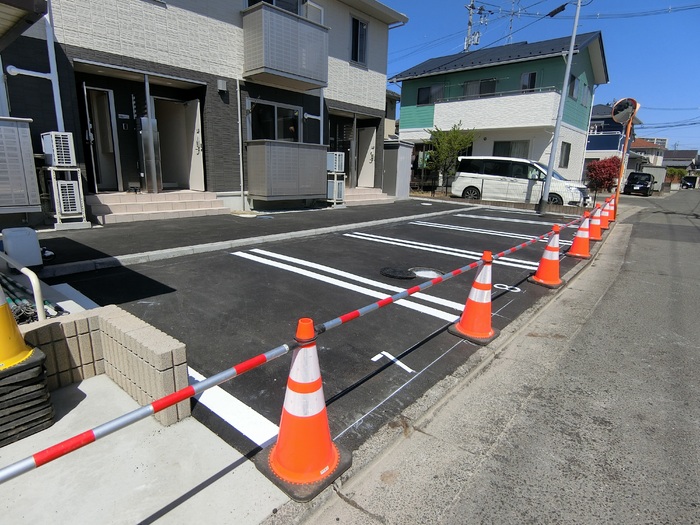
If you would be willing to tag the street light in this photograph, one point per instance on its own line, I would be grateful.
(542, 205)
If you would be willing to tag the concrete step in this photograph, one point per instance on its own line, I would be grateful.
(115, 218)
(132, 198)
(366, 196)
(150, 206)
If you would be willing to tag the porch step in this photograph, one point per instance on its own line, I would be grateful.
(112, 208)
(366, 196)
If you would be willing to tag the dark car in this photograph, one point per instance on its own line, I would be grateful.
(637, 182)
(688, 182)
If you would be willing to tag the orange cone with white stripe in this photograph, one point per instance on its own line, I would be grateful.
(581, 245)
(475, 323)
(612, 212)
(548, 271)
(304, 452)
(605, 216)
(595, 233)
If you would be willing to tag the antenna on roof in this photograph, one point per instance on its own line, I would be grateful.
(513, 12)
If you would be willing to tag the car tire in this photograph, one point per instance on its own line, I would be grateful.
(555, 199)
(471, 193)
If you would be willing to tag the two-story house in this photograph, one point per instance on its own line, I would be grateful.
(240, 99)
(510, 96)
(654, 153)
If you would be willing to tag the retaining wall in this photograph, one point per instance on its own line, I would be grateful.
(145, 362)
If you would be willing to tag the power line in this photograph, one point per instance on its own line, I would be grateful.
(632, 14)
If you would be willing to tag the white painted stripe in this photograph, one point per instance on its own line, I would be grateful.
(240, 416)
(551, 255)
(505, 219)
(393, 360)
(491, 233)
(349, 286)
(371, 282)
(304, 405)
(465, 254)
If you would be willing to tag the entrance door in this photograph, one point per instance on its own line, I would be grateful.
(104, 148)
(181, 147)
(366, 142)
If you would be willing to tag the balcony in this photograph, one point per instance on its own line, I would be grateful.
(280, 170)
(283, 49)
(500, 110)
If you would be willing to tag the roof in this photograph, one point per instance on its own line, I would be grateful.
(512, 53)
(681, 154)
(393, 95)
(644, 144)
(378, 10)
(16, 16)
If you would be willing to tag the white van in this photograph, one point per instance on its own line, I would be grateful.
(516, 180)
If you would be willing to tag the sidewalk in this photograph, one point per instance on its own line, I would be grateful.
(184, 472)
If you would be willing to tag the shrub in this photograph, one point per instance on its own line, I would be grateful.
(602, 173)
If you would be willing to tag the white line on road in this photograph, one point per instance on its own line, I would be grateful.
(393, 360)
(493, 233)
(466, 254)
(507, 219)
(349, 286)
(240, 416)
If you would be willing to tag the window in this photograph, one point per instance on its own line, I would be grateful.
(595, 127)
(565, 154)
(267, 120)
(573, 87)
(429, 95)
(528, 81)
(359, 42)
(511, 148)
(480, 88)
(471, 166)
(288, 5)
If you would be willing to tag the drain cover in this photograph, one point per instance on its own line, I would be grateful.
(426, 273)
(397, 273)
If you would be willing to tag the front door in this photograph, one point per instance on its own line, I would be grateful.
(366, 145)
(101, 137)
(181, 146)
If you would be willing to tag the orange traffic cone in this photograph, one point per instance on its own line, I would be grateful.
(548, 271)
(605, 215)
(475, 323)
(581, 246)
(305, 460)
(13, 349)
(612, 212)
(595, 233)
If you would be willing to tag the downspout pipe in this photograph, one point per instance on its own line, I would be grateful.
(240, 141)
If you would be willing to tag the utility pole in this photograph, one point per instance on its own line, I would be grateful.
(541, 206)
(473, 38)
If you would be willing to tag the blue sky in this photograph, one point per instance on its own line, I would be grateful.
(651, 56)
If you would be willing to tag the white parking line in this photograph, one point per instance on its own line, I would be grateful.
(446, 250)
(507, 219)
(493, 233)
(240, 416)
(349, 286)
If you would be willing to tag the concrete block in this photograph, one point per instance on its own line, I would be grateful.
(85, 344)
(56, 331)
(88, 370)
(44, 334)
(82, 326)
(96, 341)
(69, 329)
(100, 366)
(183, 409)
(94, 323)
(179, 354)
(77, 374)
(52, 382)
(65, 378)
(167, 417)
(50, 363)
(181, 377)
(62, 352)
(73, 351)
(164, 383)
(32, 338)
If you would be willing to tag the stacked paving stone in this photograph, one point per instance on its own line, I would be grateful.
(25, 407)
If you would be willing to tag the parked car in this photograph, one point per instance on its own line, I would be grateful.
(638, 182)
(512, 179)
(688, 182)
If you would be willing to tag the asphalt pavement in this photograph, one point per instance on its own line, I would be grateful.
(413, 470)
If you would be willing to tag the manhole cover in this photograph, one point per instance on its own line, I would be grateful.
(397, 273)
(426, 273)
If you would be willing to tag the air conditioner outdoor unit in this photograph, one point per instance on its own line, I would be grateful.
(335, 162)
(58, 147)
(69, 198)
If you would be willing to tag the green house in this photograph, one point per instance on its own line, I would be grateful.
(510, 96)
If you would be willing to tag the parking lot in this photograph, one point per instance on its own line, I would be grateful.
(228, 306)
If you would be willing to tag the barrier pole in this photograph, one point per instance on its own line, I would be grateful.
(71, 444)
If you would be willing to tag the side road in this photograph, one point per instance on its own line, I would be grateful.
(587, 413)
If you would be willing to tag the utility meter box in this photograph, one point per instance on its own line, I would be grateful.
(22, 244)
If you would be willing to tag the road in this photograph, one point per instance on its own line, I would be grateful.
(588, 420)
(229, 306)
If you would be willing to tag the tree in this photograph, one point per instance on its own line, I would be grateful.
(602, 173)
(446, 147)
(675, 174)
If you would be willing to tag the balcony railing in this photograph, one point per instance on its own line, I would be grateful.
(456, 93)
(284, 49)
(280, 170)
